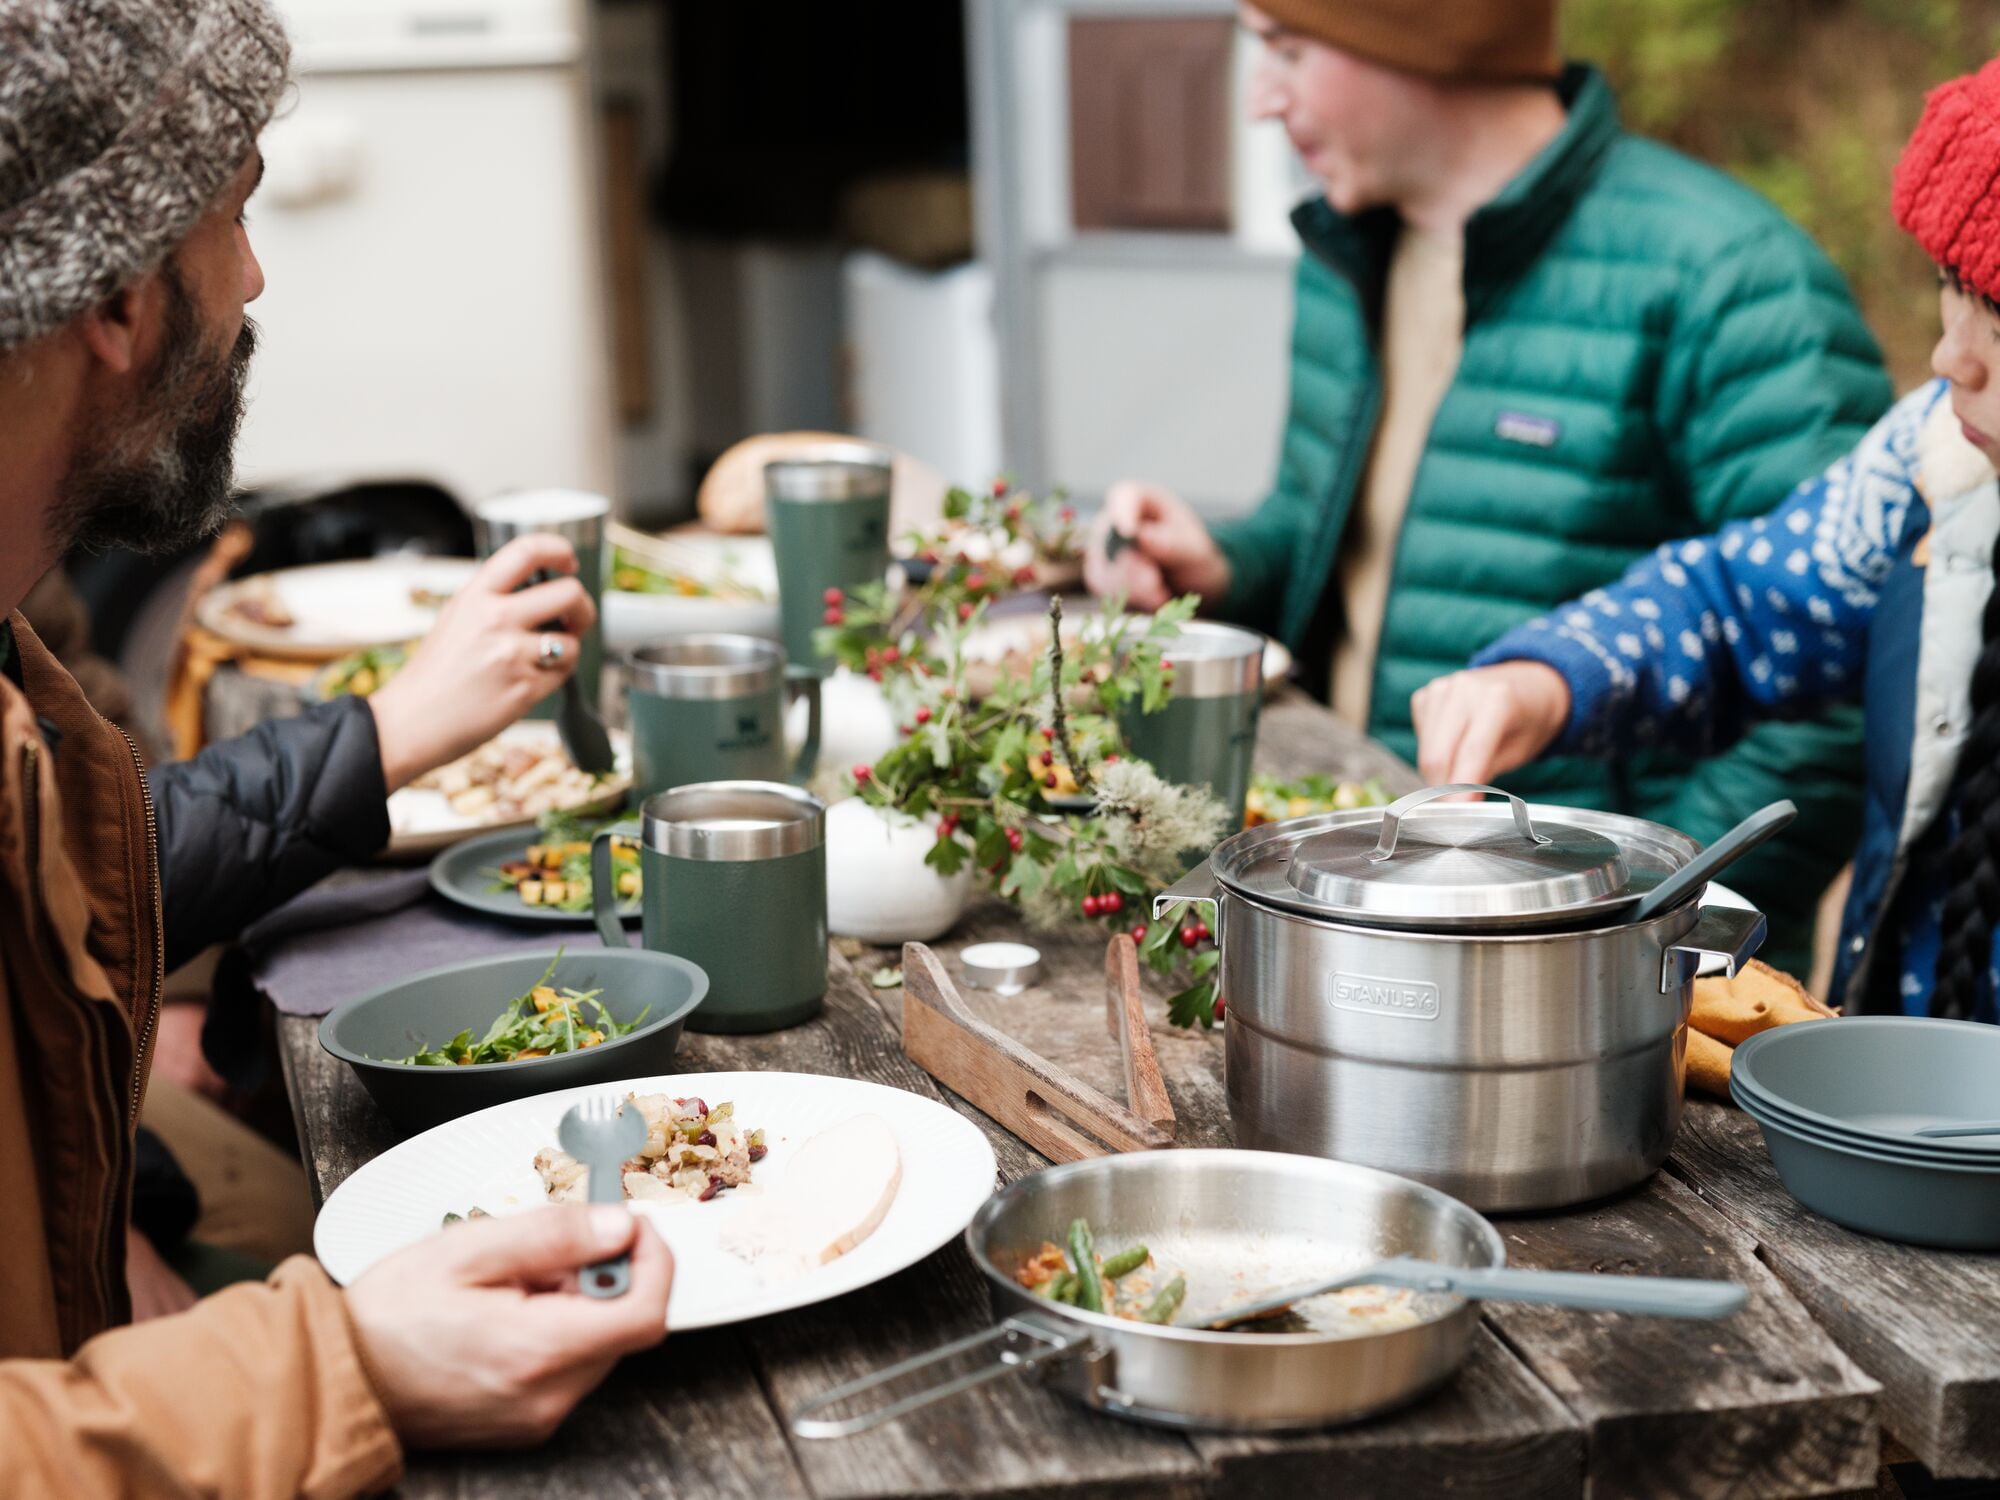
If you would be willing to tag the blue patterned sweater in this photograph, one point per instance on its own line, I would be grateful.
(1767, 618)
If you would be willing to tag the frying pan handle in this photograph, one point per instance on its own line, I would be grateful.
(1725, 932)
(1392, 815)
(1026, 1345)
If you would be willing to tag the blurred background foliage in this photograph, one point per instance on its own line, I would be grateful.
(1809, 101)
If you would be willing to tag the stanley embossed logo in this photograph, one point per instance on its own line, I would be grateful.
(1416, 999)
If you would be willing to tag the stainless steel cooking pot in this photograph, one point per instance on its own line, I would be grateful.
(1231, 1223)
(1458, 993)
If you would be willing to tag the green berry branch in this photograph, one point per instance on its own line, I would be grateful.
(1023, 764)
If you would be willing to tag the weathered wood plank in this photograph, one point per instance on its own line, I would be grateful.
(1760, 1404)
(1925, 1323)
(1493, 1433)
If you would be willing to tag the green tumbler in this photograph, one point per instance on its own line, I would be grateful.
(734, 879)
(828, 514)
(712, 708)
(1206, 733)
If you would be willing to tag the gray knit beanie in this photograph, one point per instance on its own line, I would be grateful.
(120, 121)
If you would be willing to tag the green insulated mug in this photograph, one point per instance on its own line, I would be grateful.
(712, 708)
(734, 876)
(1206, 733)
(828, 514)
(578, 518)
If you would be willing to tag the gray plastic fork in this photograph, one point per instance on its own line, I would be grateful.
(604, 1132)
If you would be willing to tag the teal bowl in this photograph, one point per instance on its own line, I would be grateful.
(1941, 1205)
(429, 1009)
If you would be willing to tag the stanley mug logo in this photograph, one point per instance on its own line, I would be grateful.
(1415, 999)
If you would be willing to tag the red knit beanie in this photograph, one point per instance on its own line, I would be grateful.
(1947, 191)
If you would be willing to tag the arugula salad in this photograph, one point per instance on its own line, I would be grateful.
(544, 1022)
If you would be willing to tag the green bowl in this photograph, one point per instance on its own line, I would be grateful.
(430, 1008)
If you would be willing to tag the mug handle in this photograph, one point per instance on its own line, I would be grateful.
(603, 887)
(800, 679)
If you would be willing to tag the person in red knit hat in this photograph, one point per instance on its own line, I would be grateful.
(1873, 582)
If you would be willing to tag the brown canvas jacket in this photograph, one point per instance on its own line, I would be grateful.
(259, 1391)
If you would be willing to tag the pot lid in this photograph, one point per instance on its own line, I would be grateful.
(1488, 862)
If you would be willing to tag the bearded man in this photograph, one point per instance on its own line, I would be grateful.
(127, 152)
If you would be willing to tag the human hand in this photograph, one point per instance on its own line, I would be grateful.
(157, 1289)
(478, 1336)
(1476, 725)
(1170, 551)
(482, 666)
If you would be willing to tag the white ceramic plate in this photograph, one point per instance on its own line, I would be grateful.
(422, 822)
(336, 607)
(635, 620)
(486, 1160)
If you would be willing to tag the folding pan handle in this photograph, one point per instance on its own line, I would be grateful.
(1027, 1344)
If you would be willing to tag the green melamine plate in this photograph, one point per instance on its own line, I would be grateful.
(464, 874)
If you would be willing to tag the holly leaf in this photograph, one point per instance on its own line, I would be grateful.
(1194, 1006)
(1024, 877)
(947, 856)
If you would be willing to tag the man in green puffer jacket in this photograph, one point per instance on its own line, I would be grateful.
(1528, 348)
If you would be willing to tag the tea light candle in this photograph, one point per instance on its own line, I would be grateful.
(1004, 968)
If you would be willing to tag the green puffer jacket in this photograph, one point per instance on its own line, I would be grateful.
(1650, 350)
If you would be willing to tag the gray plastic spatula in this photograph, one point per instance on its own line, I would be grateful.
(1717, 857)
(1657, 1296)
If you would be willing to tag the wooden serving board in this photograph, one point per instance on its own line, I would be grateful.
(1059, 1115)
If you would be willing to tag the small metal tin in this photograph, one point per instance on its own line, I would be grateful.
(1004, 968)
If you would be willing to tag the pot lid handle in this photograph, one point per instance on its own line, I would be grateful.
(1392, 815)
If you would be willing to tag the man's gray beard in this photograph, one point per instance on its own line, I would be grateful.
(179, 486)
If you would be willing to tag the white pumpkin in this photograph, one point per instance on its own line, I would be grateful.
(878, 888)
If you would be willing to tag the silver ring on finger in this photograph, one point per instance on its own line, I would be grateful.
(549, 651)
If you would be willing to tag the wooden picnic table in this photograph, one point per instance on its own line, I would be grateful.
(1849, 1344)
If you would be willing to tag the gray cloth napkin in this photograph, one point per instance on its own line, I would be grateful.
(361, 930)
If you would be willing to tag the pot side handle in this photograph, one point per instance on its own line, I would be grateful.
(1027, 1345)
(1196, 888)
(1725, 932)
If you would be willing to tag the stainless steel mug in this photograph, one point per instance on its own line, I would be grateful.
(828, 514)
(578, 517)
(1206, 733)
(734, 877)
(712, 708)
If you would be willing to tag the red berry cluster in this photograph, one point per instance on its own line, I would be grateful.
(1108, 904)
(835, 602)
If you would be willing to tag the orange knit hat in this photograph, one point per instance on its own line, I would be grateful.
(1947, 189)
(1492, 41)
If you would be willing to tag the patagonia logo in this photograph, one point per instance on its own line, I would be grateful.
(1520, 427)
(1415, 999)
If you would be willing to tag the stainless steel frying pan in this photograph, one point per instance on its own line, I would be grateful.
(1233, 1223)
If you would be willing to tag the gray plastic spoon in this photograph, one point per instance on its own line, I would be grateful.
(1659, 1296)
(1946, 1132)
(1706, 865)
(603, 1133)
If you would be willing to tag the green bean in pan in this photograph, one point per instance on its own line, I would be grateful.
(1163, 1307)
(1060, 1287)
(1083, 1255)
(1125, 1262)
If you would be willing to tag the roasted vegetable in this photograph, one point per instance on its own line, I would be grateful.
(1083, 1256)
(1125, 1262)
(1163, 1307)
